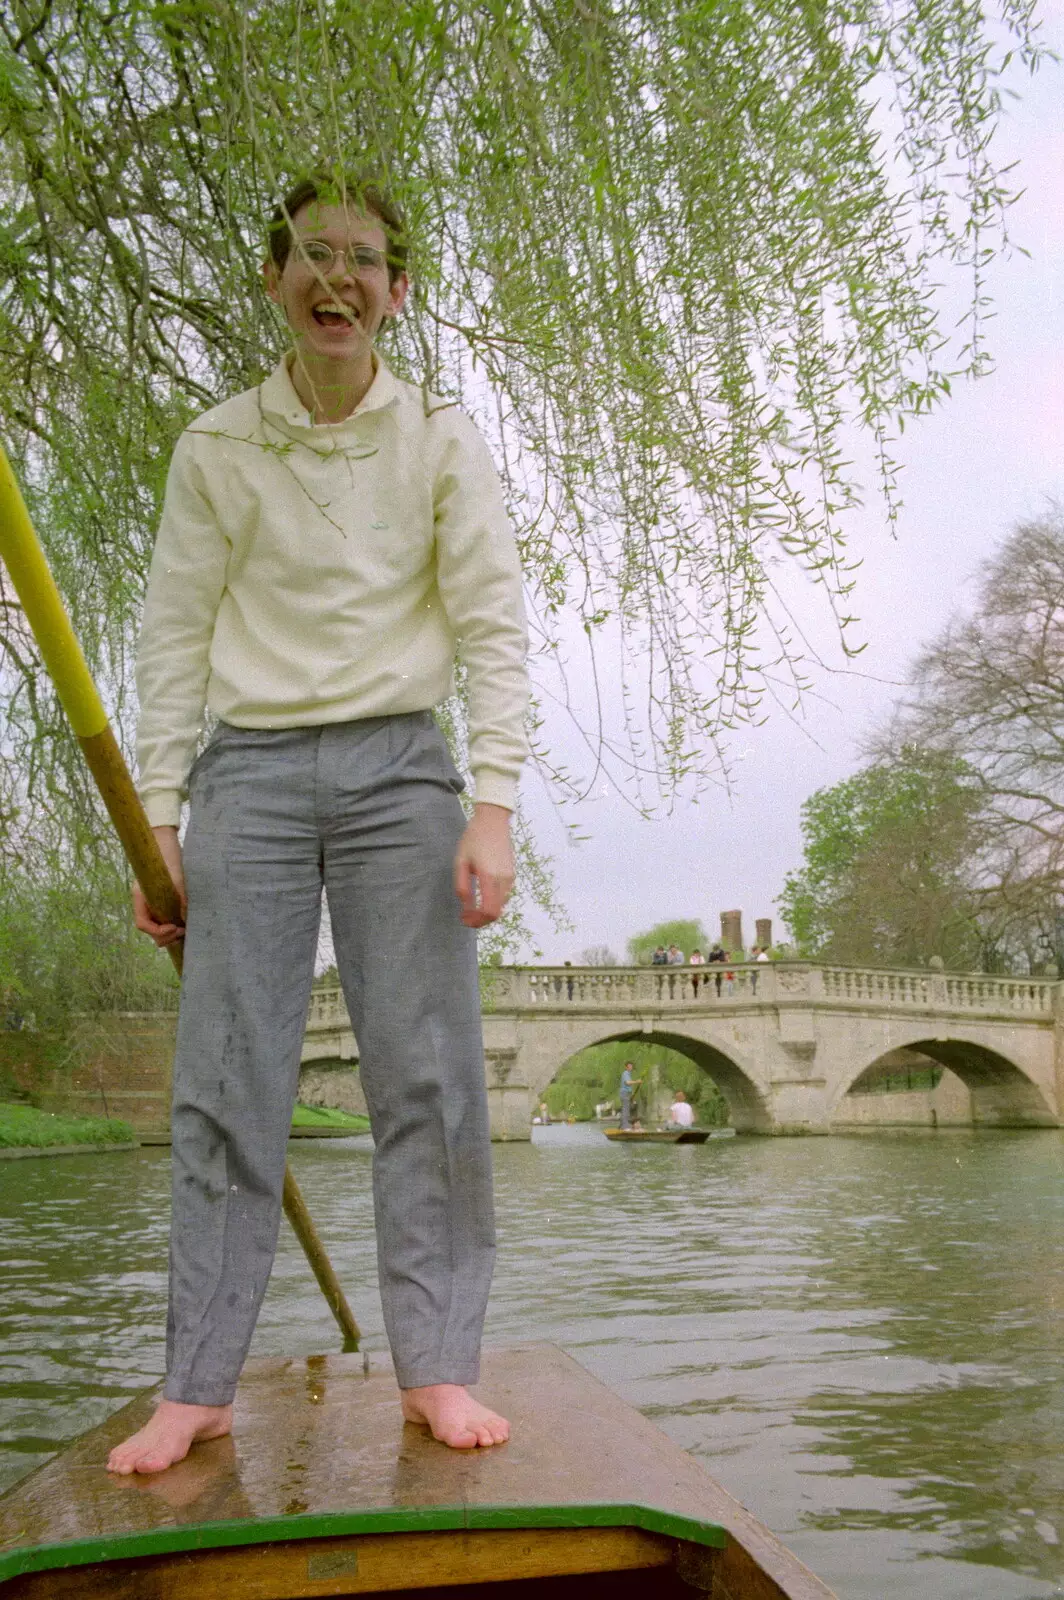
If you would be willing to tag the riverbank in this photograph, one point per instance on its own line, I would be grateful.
(328, 1118)
(26, 1131)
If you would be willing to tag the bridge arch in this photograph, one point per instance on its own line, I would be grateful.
(734, 1077)
(1003, 1093)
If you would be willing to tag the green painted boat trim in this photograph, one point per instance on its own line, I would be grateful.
(333, 1524)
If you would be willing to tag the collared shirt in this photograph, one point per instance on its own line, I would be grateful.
(311, 573)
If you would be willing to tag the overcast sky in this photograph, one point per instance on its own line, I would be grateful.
(992, 456)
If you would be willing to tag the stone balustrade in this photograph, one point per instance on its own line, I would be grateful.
(738, 984)
(773, 983)
(939, 991)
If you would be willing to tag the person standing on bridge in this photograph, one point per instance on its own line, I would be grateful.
(758, 955)
(330, 541)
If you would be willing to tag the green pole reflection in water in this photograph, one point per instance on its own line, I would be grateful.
(860, 1337)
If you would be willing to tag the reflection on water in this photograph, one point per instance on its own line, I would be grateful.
(860, 1337)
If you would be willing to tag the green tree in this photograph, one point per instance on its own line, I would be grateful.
(68, 947)
(687, 934)
(888, 872)
(989, 691)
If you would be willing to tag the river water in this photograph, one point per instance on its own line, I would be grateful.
(862, 1338)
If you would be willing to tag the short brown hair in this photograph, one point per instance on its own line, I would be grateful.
(339, 189)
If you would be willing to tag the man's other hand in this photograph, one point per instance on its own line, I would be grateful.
(484, 866)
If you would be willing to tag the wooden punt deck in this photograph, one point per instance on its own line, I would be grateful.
(323, 1491)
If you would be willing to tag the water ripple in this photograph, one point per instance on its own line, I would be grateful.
(860, 1337)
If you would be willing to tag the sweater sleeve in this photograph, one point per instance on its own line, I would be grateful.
(479, 578)
(185, 585)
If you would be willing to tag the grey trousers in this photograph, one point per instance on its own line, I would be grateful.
(370, 810)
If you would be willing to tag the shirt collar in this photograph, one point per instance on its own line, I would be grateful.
(280, 400)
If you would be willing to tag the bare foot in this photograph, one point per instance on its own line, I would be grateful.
(454, 1416)
(169, 1436)
(203, 1472)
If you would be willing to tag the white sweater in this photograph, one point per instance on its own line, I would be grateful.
(306, 574)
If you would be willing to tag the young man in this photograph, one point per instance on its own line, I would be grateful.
(330, 540)
(629, 1088)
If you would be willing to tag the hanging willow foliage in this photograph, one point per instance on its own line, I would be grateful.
(668, 252)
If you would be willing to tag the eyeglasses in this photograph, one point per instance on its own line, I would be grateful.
(361, 259)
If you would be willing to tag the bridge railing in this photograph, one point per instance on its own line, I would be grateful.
(981, 993)
(327, 1007)
(625, 987)
(628, 989)
(761, 983)
(965, 991)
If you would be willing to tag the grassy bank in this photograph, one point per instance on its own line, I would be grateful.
(25, 1126)
(326, 1117)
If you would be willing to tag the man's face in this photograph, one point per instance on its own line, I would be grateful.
(335, 306)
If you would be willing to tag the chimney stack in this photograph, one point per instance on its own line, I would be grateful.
(731, 931)
(764, 932)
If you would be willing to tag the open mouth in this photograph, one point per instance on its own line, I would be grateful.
(330, 316)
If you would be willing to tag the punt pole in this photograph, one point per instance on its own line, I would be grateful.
(43, 608)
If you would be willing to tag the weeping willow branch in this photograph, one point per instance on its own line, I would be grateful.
(670, 253)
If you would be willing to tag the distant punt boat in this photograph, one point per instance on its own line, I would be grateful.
(658, 1135)
(322, 1490)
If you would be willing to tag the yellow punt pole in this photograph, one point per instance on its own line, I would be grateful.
(43, 608)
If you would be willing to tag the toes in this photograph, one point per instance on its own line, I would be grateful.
(140, 1456)
(461, 1427)
(459, 1438)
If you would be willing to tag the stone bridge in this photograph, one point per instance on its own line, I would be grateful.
(790, 1044)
